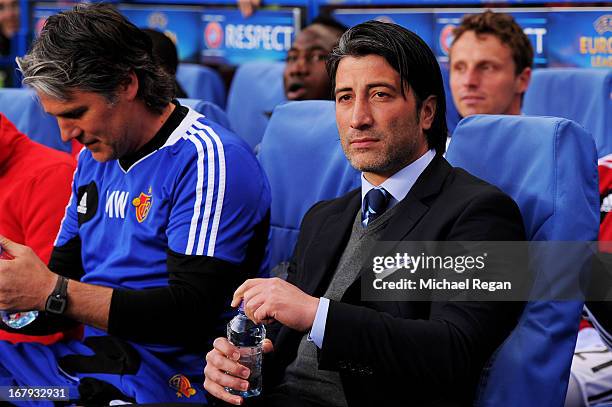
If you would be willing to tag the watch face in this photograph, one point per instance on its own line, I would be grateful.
(55, 305)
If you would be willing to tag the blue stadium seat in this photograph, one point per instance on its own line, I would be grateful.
(208, 109)
(202, 82)
(549, 167)
(256, 89)
(452, 116)
(582, 95)
(21, 106)
(303, 159)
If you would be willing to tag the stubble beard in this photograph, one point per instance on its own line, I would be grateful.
(388, 160)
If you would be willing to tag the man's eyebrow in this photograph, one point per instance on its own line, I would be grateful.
(345, 89)
(317, 48)
(369, 86)
(488, 60)
(381, 85)
(483, 60)
(74, 112)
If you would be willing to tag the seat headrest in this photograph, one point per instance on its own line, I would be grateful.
(578, 94)
(557, 173)
(256, 89)
(22, 107)
(202, 82)
(452, 116)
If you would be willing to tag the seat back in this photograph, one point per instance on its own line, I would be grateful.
(21, 106)
(208, 109)
(578, 94)
(202, 82)
(303, 159)
(549, 167)
(256, 89)
(452, 116)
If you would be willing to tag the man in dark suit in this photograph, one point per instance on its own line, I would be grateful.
(333, 348)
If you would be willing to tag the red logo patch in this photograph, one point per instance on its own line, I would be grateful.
(182, 386)
(213, 35)
(143, 204)
(446, 38)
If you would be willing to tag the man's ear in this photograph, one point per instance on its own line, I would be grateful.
(522, 80)
(428, 112)
(129, 88)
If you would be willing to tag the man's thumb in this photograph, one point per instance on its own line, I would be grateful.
(267, 346)
(9, 247)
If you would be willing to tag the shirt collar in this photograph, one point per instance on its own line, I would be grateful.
(400, 183)
(172, 122)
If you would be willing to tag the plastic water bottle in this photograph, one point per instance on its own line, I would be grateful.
(248, 337)
(16, 320)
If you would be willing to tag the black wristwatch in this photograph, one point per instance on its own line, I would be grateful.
(58, 300)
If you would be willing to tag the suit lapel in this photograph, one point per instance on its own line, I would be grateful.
(322, 256)
(414, 206)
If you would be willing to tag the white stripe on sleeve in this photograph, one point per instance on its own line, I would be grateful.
(221, 192)
(198, 199)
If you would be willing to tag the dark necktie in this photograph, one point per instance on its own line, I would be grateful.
(375, 204)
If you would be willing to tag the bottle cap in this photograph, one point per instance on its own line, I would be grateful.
(241, 307)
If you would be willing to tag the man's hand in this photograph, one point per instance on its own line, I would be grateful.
(269, 299)
(25, 281)
(248, 7)
(223, 370)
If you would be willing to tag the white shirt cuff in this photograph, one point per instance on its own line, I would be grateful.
(317, 332)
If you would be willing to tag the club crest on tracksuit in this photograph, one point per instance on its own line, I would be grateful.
(182, 385)
(143, 204)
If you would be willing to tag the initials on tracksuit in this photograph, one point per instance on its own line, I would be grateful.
(116, 202)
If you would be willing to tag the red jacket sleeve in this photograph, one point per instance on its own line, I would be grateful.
(44, 201)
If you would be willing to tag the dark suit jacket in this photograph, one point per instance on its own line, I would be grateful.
(404, 353)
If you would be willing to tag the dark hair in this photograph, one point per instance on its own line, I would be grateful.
(93, 48)
(410, 56)
(504, 27)
(163, 49)
(329, 22)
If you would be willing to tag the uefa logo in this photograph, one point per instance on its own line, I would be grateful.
(446, 38)
(213, 35)
(157, 21)
(603, 24)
